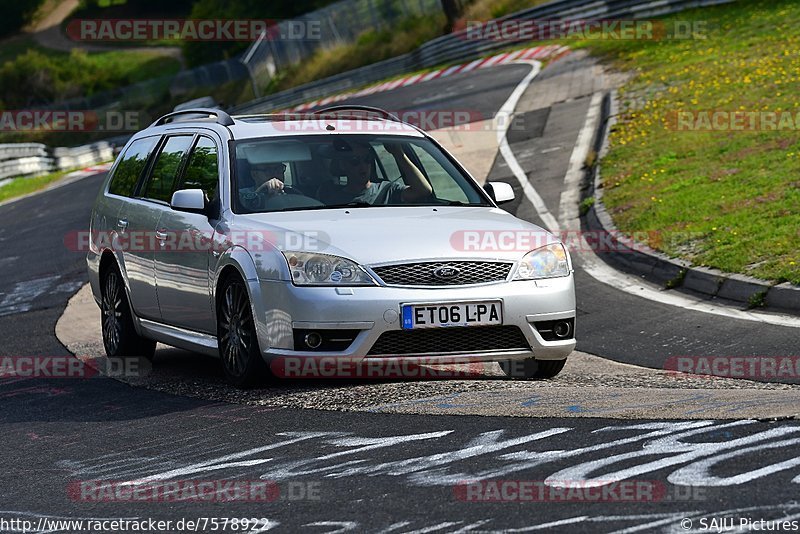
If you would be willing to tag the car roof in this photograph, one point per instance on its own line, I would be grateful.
(331, 121)
(250, 127)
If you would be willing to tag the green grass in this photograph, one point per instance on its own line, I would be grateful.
(18, 187)
(724, 199)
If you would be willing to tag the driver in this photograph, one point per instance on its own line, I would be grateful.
(268, 179)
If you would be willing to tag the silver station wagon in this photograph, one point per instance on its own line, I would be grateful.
(343, 234)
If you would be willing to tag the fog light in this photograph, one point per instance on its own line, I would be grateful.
(313, 340)
(561, 329)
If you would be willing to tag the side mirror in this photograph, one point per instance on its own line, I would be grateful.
(501, 192)
(192, 200)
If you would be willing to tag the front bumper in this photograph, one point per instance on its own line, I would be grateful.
(283, 307)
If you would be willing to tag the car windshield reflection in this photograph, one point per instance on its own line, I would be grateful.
(357, 171)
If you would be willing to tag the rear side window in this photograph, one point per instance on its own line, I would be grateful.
(166, 168)
(130, 167)
(202, 172)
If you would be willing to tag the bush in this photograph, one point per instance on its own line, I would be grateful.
(36, 78)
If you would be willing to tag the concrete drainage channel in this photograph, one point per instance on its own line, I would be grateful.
(589, 386)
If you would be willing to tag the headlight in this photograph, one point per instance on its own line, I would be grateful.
(311, 269)
(550, 261)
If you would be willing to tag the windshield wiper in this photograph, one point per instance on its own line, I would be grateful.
(461, 203)
(326, 207)
(359, 204)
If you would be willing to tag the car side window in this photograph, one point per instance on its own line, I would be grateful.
(130, 167)
(166, 168)
(202, 171)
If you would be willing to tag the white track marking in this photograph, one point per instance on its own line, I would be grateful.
(505, 113)
(571, 193)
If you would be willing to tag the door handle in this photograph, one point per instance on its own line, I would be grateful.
(122, 224)
(161, 235)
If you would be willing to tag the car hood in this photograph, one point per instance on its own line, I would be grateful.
(373, 236)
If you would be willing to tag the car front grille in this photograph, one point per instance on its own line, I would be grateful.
(450, 340)
(424, 273)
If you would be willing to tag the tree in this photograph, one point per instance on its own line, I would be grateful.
(452, 10)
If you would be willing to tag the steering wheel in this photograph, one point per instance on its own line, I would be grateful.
(289, 190)
(292, 199)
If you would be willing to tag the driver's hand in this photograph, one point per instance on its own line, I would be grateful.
(271, 186)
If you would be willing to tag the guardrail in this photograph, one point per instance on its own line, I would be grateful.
(31, 159)
(83, 156)
(456, 47)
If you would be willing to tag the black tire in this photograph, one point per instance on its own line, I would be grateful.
(236, 334)
(120, 338)
(532, 369)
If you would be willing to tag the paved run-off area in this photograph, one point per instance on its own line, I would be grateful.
(589, 386)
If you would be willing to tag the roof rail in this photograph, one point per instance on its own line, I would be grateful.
(281, 116)
(221, 117)
(353, 107)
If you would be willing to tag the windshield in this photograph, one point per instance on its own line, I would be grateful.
(324, 172)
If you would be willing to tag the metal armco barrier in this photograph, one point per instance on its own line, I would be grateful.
(31, 159)
(456, 47)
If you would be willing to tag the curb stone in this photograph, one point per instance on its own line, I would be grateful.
(639, 259)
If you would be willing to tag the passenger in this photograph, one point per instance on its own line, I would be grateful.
(359, 166)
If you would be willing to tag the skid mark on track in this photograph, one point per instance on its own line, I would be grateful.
(21, 297)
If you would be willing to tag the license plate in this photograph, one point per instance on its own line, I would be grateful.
(452, 314)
